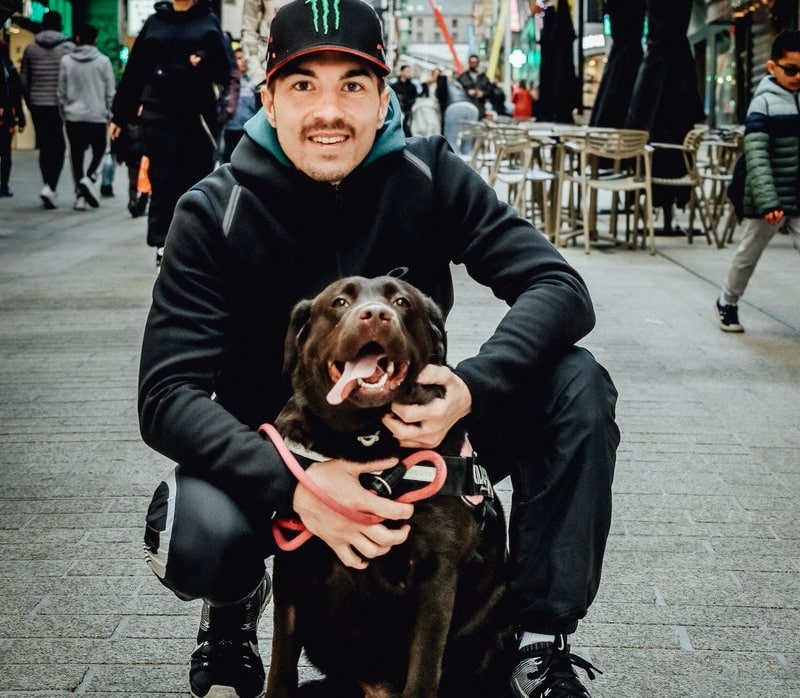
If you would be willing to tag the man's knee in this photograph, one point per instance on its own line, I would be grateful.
(581, 383)
(199, 543)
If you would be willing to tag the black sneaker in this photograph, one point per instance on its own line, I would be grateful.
(728, 316)
(226, 662)
(106, 190)
(545, 671)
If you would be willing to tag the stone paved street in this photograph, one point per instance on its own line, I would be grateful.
(701, 591)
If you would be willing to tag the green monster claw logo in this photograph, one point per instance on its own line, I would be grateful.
(326, 7)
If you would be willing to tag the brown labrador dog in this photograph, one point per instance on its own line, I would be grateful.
(430, 617)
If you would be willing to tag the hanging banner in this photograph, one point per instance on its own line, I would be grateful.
(499, 35)
(437, 13)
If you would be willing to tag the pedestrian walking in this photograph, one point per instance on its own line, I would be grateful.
(460, 109)
(12, 116)
(41, 61)
(180, 61)
(247, 105)
(407, 93)
(476, 84)
(522, 99)
(85, 92)
(310, 196)
(256, 19)
(772, 169)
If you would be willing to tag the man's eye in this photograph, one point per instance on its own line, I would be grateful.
(353, 87)
(302, 85)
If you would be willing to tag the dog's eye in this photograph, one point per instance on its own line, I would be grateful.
(339, 302)
(402, 301)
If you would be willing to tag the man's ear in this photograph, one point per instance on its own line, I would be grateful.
(384, 107)
(268, 101)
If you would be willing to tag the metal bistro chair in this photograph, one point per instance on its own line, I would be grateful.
(566, 193)
(691, 179)
(722, 147)
(541, 179)
(470, 142)
(631, 158)
(510, 167)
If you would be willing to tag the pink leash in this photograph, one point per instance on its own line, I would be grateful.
(280, 525)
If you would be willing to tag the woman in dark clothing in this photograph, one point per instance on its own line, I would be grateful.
(12, 117)
(178, 64)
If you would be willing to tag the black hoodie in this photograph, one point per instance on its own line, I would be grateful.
(159, 75)
(256, 236)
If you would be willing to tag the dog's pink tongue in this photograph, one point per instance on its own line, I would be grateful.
(353, 370)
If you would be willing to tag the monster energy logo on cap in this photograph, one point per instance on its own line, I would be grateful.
(304, 27)
(328, 6)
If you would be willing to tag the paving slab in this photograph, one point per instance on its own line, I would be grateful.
(701, 591)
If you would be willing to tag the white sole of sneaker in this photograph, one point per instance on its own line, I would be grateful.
(88, 195)
(222, 692)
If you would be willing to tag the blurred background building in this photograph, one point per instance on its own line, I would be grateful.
(729, 39)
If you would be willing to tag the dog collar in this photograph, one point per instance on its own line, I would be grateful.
(299, 450)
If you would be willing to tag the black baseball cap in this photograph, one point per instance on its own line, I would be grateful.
(302, 27)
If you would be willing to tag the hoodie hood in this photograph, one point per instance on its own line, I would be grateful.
(84, 54)
(389, 138)
(47, 38)
(769, 84)
(166, 10)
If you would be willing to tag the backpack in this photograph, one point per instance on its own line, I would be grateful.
(425, 117)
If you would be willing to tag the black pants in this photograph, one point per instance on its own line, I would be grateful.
(181, 153)
(50, 141)
(560, 452)
(5, 154)
(81, 136)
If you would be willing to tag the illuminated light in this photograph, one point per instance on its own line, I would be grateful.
(517, 58)
(594, 41)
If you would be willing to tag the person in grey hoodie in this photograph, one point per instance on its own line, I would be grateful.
(85, 93)
(39, 73)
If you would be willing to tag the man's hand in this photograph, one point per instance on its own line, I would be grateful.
(113, 131)
(774, 217)
(351, 541)
(425, 426)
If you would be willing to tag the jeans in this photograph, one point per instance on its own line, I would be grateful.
(453, 116)
(756, 234)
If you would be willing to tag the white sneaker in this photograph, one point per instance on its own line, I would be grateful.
(86, 188)
(48, 196)
(80, 204)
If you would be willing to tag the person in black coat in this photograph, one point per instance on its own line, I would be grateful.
(180, 62)
(476, 84)
(12, 117)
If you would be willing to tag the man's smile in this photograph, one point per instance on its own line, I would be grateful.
(328, 140)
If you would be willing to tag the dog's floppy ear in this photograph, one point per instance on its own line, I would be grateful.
(295, 334)
(438, 334)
